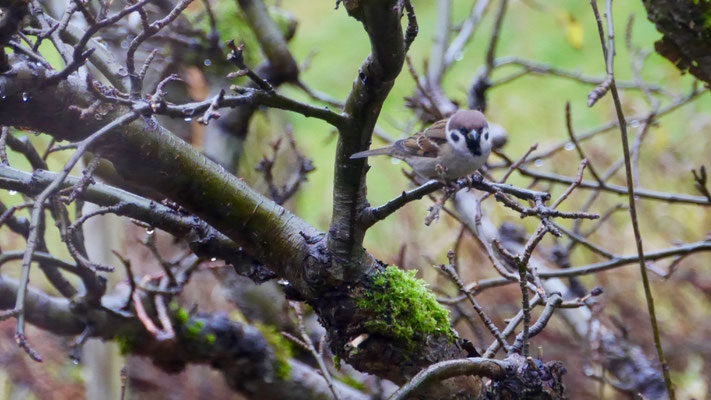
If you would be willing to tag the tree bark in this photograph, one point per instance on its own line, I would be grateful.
(686, 29)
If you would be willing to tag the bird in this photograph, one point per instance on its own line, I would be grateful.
(448, 149)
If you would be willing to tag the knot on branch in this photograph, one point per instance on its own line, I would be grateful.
(529, 378)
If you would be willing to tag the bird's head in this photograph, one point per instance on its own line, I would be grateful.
(468, 131)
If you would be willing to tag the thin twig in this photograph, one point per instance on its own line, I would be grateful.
(544, 154)
(484, 367)
(306, 341)
(34, 238)
(642, 193)
(539, 68)
(553, 302)
(610, 52)
(514, 166)
(700, 179)
(4, 131)
(571, 135)
(513, 323)
(465, 32)
(412, 28)
(491, 49)
(451, 272)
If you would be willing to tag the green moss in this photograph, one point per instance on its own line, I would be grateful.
(193, 330)
(210, 338)
(281, 347)
(706, 17)
(125, 343)
(181, 316)
(351, 381)
(403, 307)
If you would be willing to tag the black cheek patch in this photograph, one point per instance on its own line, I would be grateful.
(455, 137)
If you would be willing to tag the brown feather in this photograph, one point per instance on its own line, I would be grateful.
(422, 144)
(425, 143)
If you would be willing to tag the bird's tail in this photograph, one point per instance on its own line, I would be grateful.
(385, 151)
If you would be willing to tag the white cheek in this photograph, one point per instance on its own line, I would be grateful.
(460, 143)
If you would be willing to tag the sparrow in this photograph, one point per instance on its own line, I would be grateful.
(448, 149)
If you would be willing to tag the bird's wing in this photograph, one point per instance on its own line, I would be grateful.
(425, 143)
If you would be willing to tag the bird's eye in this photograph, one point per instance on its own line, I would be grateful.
(486, 137)
(455, 137)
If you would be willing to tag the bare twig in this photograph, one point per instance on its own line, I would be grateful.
(571, 134)
(490, 51)
(33, 237)
(700, 181)
(465, 32)
(372, 215)
(553, 302)
(676, 104)
(609, 53)
(514, 166)
(4, 131)
(539, 68)
(446, 369)
(451, 272)
(642, 193)
(513, 323)
(237, 58)
(306, 341)
(412, 28)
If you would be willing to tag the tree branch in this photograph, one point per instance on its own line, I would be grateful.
(381, 20)
(203, 239)
(221, 342)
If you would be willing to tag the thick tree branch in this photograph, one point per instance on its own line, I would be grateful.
(203, 239)
(219, 341)
(381, 20)
(147, 155)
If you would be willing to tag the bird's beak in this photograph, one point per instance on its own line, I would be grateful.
(474, 134)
